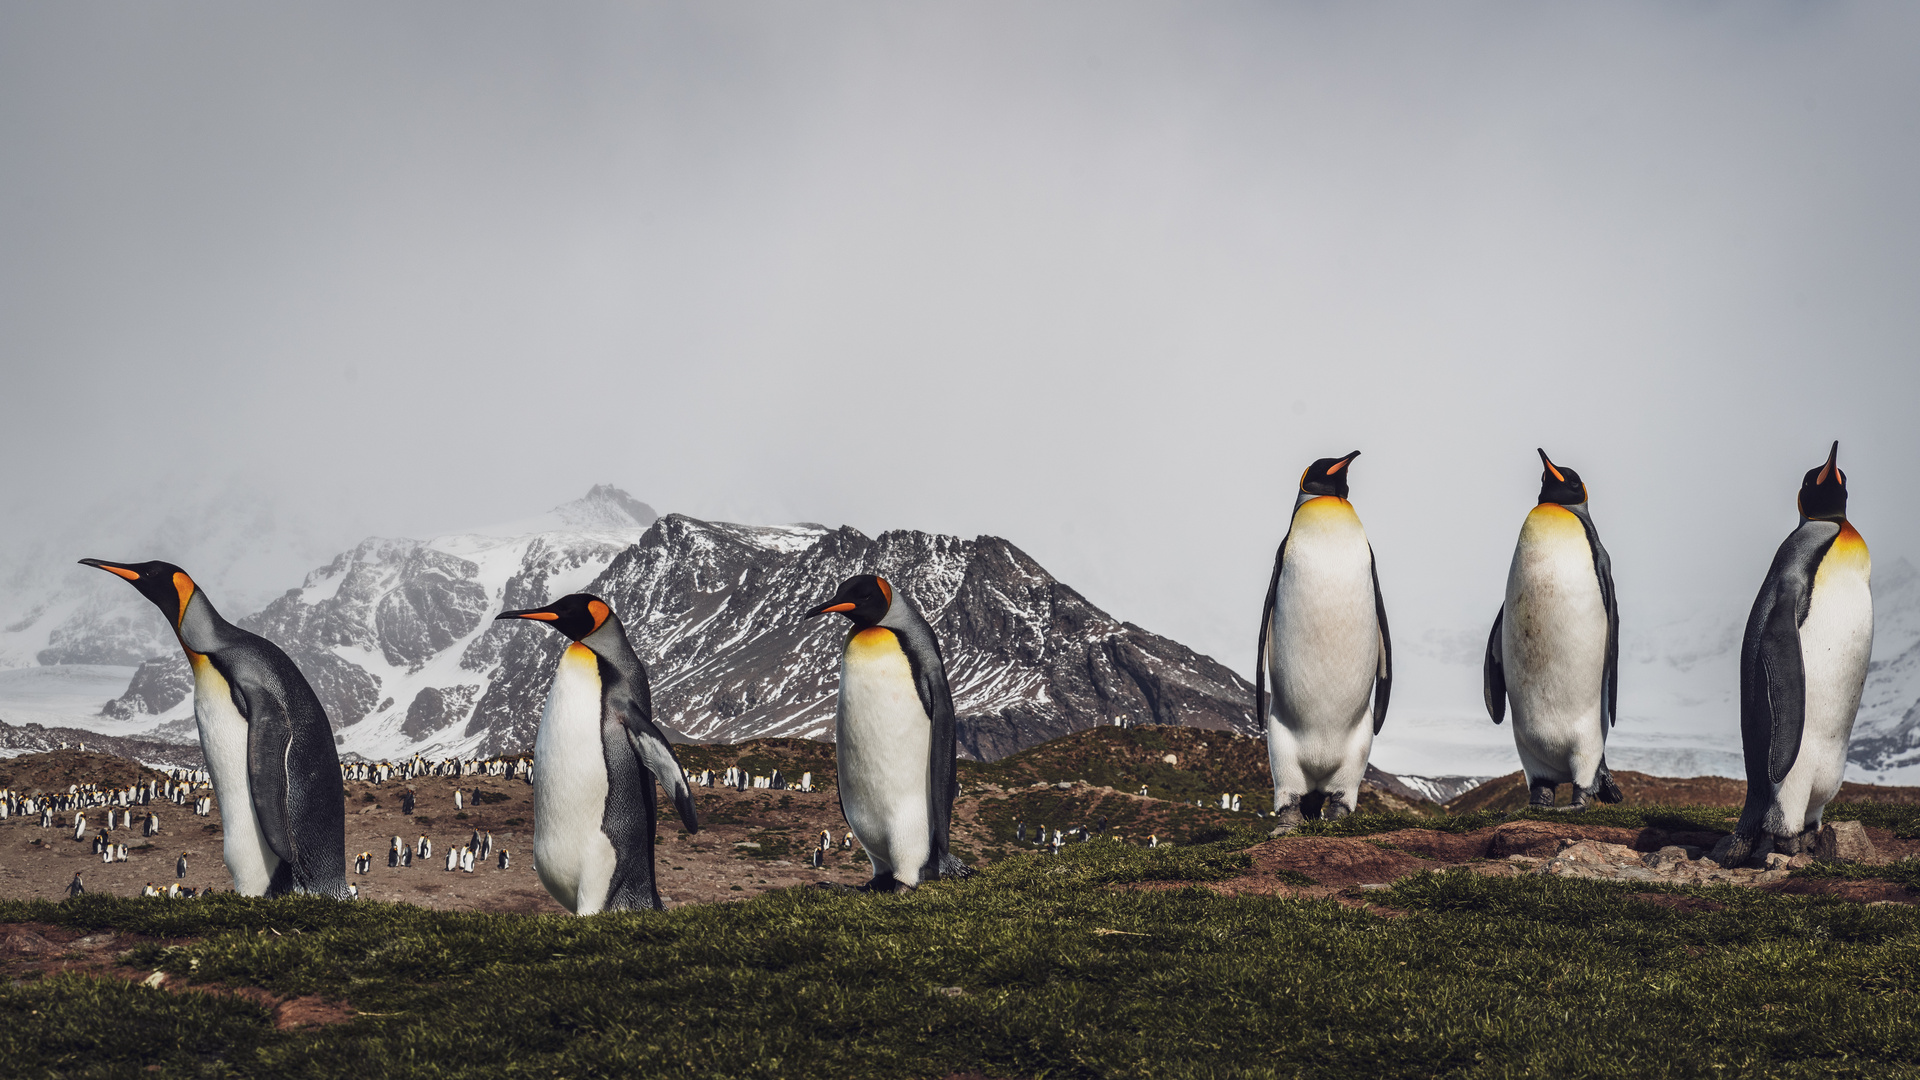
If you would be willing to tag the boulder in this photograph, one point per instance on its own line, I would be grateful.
(1844, 841)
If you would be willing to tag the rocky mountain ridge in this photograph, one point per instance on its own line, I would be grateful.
(398, 638)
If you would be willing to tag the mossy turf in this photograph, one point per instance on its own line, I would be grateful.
(1670, 818)
(1106, 961)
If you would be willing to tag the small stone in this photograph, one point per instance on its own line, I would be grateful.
(155, 981)
(1374, 888)
(1777, 861)
(1844, 841)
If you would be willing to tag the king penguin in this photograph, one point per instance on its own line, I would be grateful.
(267, 743)
(1324, 653)
(1555, 647)
(600, 754)
(894, 736)
(1803, 663)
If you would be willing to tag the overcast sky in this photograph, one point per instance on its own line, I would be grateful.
(1101, 278)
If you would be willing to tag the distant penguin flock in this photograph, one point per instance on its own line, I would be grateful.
(1323, 680)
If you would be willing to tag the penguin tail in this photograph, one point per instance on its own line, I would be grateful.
(1606, 790)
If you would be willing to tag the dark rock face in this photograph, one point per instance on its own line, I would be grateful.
(436, 604)
(434, 708)
(159, 685)
(346, 690)
(715, 612)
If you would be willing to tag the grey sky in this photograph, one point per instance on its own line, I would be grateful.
(1100, 278)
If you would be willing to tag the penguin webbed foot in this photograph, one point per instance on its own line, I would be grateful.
(1287, 819)
(888, 885)
(1791, 845)
(1334, 808)
(1540, 795)
(1735, 849)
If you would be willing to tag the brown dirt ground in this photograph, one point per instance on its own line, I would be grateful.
(31, 950)
(1343, 868)
(717, 864)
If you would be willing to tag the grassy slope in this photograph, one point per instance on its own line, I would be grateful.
(1010, 975)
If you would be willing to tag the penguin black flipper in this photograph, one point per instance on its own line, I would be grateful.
(292, 769)
(1603, 570)
(1383, 681)
(930, 680)
(1266, 627)
(1773, 681)
(1494, 672)
(655, 754)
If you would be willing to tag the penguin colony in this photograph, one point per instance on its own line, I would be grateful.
(1324, 676)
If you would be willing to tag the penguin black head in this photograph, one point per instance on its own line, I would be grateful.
(864, 599)
(1328, 476)
(1823, 492)
(1560, 485)
(575, 615)
(165, 584)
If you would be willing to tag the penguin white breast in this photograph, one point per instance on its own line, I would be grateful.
(1554, 632)
(1835, 642)
(574, 858)
(885, 748)
(223, 739)
(1324, 640)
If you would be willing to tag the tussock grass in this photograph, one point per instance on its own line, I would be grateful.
(1900, 872)
(1670, 818)
(1903, 820)
(1039, 966)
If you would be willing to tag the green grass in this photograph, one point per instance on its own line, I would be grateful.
(1669, 818)
(1903, 820)
(1107, 961)
(1900, 872)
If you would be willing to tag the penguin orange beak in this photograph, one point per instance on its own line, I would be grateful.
(1833, 464)
(531, 613)
(1342, 463)
(111, 568)
(1544, 460)
(827, 608)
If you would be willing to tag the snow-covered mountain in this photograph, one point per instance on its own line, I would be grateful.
(398, 637)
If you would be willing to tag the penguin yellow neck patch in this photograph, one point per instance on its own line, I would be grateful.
(1848, 548)
(873, 639)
